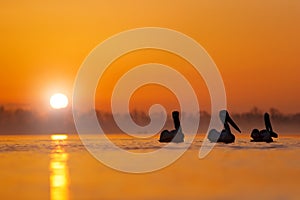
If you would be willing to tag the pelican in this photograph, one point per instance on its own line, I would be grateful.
(174, 135)
(264, 135)
(225, 135)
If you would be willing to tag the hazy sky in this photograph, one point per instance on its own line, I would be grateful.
(255, 45)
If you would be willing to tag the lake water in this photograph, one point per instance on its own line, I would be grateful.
(45, 167)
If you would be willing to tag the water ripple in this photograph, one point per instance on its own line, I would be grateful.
(21, 144)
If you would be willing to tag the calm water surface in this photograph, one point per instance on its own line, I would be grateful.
(45, 167)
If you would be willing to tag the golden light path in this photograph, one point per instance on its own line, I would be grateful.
(59, 137)
(59, 174)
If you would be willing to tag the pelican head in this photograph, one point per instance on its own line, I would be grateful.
(269, 125)
(225, 118)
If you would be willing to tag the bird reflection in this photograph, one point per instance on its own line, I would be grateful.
(59, 175)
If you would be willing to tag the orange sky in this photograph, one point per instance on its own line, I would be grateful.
(255, 45)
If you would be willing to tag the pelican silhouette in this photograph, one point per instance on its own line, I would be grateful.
(174, 135)
(264, 135)
(225, 135)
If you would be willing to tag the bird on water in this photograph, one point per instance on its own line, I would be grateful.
(175, 135)
(264, 135)
(225, 135)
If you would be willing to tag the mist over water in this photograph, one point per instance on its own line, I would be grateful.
(20, 121)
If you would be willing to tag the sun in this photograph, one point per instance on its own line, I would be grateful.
(58, 101)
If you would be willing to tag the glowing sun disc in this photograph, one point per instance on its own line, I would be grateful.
(58, 101)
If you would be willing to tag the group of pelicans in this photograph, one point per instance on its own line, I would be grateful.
(225, 136)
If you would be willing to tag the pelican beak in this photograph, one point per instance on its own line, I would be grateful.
(268, 122)
(274, 135)
(231, 122)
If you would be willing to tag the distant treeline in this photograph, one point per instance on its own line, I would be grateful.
(22, 121)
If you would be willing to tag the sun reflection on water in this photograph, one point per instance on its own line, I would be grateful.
(59, 175)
